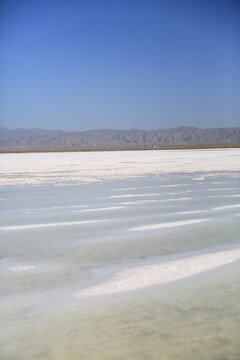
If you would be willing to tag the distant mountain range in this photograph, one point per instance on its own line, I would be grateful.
(38, 139)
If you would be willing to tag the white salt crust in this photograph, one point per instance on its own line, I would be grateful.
(145, 276)
(72, 168)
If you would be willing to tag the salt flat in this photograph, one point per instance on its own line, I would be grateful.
(122, 253)
(52, 168)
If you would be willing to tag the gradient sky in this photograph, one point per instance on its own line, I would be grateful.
(85, 64)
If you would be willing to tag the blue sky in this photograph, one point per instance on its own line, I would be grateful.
(85, 64)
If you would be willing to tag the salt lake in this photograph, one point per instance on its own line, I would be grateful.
(120, 255)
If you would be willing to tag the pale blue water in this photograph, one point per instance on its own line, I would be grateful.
(194, 318)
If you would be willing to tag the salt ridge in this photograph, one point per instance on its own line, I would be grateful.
(145, 276)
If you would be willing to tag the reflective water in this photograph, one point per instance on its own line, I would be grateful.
(58, 240)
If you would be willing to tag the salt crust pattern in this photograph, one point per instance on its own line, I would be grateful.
(69, 168)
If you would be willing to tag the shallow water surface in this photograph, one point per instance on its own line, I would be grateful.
(173, 231)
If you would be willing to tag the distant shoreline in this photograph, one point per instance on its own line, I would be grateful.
(179, 147)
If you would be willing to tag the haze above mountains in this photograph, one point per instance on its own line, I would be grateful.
(39, 139)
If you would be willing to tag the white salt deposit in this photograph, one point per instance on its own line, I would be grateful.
(145, 201)
(191, 212)
(21, 268)
(49, 208)
(153, 201)
(35, 226)
(199, 178)
(144, 276)
(131, 195)
(220, 182)
(69, 168)
(138, 202)
(224, 196)
(172, 185)
(170, 224)
(227, 207)
(176, 199)
(125, 189)
(223, 189)
(102, 209)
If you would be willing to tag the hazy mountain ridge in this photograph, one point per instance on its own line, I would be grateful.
(35, 139)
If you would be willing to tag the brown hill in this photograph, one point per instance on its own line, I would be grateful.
(38, 139)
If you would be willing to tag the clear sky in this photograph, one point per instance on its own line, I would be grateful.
(87, 64)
